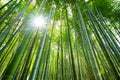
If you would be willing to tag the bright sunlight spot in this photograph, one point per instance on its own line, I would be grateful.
(117, 0)
(5, 1)
(39, 21)
(86, 0)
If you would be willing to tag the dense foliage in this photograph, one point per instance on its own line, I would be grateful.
(80, 40)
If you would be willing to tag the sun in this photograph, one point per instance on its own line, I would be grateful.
(39, 21)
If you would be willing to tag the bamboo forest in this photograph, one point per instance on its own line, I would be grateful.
(59, 39)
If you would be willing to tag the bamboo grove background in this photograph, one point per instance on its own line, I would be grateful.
(81, 40)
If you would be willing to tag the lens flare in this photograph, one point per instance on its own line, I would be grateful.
(39, 21)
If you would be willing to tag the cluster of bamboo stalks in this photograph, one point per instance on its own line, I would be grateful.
(76, 44)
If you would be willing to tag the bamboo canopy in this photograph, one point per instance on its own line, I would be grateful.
(59, 40)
